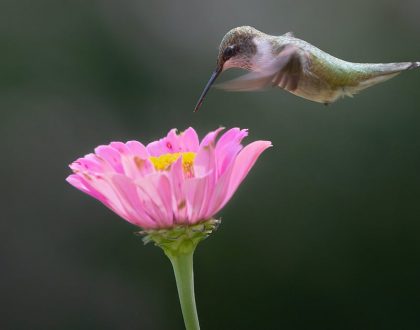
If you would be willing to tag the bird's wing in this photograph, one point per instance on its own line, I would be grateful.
(284, 71)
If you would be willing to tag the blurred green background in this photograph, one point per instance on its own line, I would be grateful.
(323, 234)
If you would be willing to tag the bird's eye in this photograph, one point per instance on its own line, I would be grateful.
(230, 52)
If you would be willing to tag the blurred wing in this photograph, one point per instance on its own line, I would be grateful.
(284, 71)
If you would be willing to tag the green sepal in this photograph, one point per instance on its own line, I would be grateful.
(180, 239)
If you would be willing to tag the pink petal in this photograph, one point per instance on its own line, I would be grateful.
(172, 142)
(189, 140)
(135, 167)
(168, 144)
(137, 149)
(228, 147)
(164, 189)
(197, 191)
(243, 164)
(135, 159)
(111, 156)
(219, 193)
(120, 147)
(129, 193)
(184, 142)
(102, 189)
(90, 163)
(80, 183)
(205, 160)
(154, 196)
(234, 135)
(205, 172)
(177, 177)
(211, 137)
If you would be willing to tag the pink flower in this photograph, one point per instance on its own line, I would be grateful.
(175, 180)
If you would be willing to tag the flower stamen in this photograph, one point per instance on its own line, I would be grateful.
(164, 162)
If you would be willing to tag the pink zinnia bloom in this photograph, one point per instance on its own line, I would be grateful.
(175, 180)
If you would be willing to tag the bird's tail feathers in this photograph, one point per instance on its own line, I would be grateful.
(383, 72)
(413, 65)
(389, 68)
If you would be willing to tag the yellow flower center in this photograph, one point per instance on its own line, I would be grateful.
(163, 162)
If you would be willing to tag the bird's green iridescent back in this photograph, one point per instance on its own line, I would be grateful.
(326, 78)
(332, 69)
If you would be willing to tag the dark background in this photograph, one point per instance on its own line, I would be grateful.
(323, 234)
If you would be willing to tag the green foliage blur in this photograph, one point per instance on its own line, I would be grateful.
(323, 234)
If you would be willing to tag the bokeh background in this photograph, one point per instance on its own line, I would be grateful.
(323, 234)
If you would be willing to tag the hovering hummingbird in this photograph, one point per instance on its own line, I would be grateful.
(294, 65)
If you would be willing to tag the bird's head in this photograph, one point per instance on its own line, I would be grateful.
(236, 50)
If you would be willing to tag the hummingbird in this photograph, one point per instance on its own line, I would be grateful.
(295, 66)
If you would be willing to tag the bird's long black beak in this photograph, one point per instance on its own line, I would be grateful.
(213, 77)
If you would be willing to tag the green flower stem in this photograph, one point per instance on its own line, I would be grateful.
(184, 275)
(179, 243)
